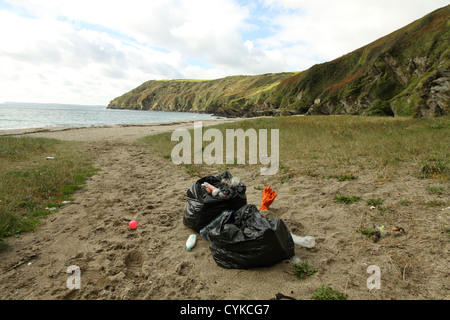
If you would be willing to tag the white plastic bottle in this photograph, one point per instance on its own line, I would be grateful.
(190, 243)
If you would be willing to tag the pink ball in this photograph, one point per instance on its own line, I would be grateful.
(133, 224)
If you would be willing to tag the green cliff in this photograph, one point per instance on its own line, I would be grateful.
(406, 73)
(230, 96)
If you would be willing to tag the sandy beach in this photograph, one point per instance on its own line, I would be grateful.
(151, 262)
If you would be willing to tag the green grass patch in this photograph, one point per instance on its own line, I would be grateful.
(435, 203)
(347, 199)
(29, 183)
(447, 232)
(434, 166)
(438, 190)
(367, 232)
(303, 270)
(405, 202)
(328, 293)
(375, 202)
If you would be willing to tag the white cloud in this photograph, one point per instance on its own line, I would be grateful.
(90, 51)
(324, 30)
(45, 59)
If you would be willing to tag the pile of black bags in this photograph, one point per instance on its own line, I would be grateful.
(239, 236)
(202, 207)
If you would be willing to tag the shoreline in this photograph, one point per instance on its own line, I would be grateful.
(109, 132)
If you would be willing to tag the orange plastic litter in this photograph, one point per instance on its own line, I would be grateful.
(268, 197)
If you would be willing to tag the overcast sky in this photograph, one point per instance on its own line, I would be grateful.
(91, 51)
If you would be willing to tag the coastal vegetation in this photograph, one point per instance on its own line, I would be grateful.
(344, 146)
(38, 176)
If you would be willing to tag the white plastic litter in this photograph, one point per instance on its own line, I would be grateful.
(295, 260)
(213, 190)
(190, 243)
(308, 242)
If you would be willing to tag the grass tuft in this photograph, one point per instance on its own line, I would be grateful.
(303, 270)
(328, 293)
(347, 199)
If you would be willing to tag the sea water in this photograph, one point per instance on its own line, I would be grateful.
(40, 115)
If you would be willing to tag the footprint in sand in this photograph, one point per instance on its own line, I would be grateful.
(133, 263)
(183, 268)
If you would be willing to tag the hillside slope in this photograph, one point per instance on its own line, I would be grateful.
(230, 96)
(405, 73)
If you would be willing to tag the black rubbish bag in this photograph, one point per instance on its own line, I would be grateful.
(246, 239)
(214, 223)
(203, 207)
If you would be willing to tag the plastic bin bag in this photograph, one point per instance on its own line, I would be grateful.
(202, 207)
(245, 239)
(214, 223)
